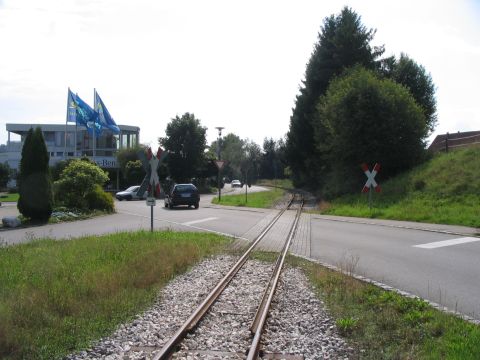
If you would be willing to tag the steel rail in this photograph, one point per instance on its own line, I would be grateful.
(200, 311)
(262, 311)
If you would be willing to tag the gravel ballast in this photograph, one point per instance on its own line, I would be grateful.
(298, 325)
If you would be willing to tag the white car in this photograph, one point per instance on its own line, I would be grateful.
(130, 194)
(236, 183)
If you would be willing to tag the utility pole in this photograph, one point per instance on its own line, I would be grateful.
(219, 145)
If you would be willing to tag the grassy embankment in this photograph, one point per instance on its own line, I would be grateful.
(56, 296)
(262, 199)
(444, 190)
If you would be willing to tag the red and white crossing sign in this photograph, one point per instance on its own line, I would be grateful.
(371, 178)
(220, 164)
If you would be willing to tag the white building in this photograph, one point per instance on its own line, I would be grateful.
(77, 142)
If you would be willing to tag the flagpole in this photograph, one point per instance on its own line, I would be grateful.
(94, 122)
(66, 120)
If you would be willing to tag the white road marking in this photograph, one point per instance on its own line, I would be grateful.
(451, 242)
(188, 223)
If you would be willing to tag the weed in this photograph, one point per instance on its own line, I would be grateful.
(346, 325)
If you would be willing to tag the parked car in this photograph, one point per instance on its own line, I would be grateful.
(182, 194)
(130, 194)
(236, 183)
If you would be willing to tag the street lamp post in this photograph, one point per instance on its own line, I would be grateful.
(219, 128)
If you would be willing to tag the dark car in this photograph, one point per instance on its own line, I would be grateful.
(182, 194)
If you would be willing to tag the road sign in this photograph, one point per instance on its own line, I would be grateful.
(151, 201)
(371, 178)
(220, 164)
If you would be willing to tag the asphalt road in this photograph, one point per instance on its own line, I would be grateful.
(135, 215)
(386, 251)
(445, 272)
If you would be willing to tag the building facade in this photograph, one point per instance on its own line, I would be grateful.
(72, 141)
(452, 141)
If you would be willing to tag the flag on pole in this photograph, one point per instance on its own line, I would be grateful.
(104, 117)
(79, 112)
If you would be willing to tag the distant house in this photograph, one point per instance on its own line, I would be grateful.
(446, 142)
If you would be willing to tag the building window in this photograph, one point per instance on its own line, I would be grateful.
(49, 136)
(59, 153)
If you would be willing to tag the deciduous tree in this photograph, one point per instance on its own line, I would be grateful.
(368, 120)
(185, 141)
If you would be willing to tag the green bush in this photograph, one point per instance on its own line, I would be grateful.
(97, 199)
(77, 181)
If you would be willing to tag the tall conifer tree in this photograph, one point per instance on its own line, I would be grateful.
(35, 187)
(342, 42)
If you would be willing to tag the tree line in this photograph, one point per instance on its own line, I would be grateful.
(356, 107)
(191, 159)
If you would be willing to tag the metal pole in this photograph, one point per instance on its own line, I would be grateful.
(219, 190)
(150, 194)
(151, 218)
(219, 128)
(370, 197)
(246, 186)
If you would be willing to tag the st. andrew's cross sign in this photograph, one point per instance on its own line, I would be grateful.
(371, 178)
(151, 162)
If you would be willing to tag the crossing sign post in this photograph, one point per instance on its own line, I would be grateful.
(371, 183)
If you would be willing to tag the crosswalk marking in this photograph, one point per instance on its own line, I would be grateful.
(199, 221)
(450, 242)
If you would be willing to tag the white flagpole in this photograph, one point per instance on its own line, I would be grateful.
(94, 122)
(66, 120)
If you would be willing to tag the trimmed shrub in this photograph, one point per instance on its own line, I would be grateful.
(97, 199)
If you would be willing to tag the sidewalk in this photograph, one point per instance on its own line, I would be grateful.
(441, 228)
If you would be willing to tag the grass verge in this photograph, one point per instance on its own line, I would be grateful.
(58, 296)
(262, 199)
(9, 197)
(385, 325)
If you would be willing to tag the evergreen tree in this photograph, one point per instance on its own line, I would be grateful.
(5, 174)
(35, 186)
(342, 43)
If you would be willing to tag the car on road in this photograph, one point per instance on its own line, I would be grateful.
(236, 183)
(182, 194)
(130, 194)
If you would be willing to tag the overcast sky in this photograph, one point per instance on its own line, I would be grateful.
(236, 64)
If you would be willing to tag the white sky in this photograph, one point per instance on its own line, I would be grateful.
(233, 64)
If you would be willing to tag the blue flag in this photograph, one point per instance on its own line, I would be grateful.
(104, 117)
(79, 112)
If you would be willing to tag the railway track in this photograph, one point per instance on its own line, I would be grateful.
(261, 315)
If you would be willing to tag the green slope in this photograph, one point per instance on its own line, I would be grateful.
(444, 190)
